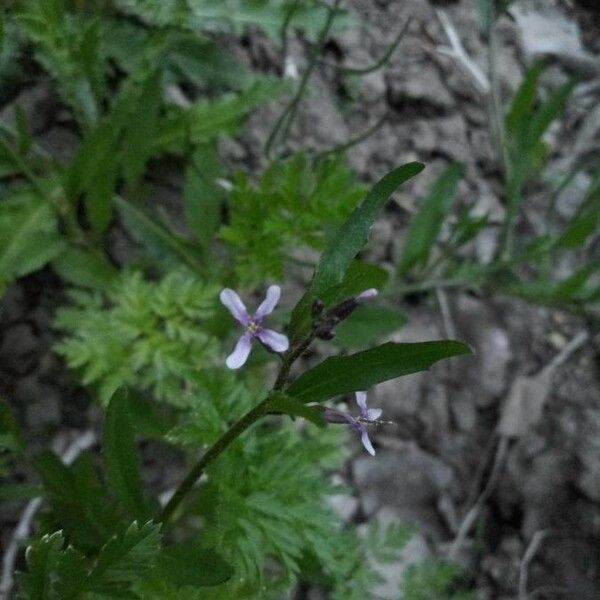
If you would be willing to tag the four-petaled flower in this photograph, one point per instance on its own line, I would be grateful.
(252, 323)
(359, 424)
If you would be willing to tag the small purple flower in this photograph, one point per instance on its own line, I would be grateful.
(366, 416)
(276, 341)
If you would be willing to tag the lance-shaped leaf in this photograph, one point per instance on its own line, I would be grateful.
(122, 468)
(344, 374)
(346, 244)
(427, 224)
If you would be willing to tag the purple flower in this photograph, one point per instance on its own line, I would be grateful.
(359, 424)
(252, 323)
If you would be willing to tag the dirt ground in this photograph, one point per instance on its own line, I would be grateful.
(539, 520)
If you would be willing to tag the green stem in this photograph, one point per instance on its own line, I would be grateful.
(213, 452)
(361, 137)
(378, 63)
(259, 411)
(284, 122)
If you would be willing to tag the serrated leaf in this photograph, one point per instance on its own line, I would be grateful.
(344, 374)
(84, 268)
(427, 223)
(28, 236)
(42, 558)
(351, 237)
(192, 565)
(78, 500)
(282, 403)
(120, 456)
(124, 559)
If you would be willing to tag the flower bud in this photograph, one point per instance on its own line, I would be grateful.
(345, 309)
(367, 295)
(317, 308)
(325, 332)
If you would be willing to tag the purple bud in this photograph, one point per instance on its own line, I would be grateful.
(325, 333)
(317, 308)
(367, 295)
(345, 309)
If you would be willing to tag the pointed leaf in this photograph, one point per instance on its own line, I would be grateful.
(427, 224)
(351, 237)
(120, 455)
(344, 374)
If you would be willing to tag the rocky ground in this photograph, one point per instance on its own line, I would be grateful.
(538, 522)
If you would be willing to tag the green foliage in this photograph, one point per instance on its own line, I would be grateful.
(427, 223)
(236, 16)
(68, 48)
(292, 207)
(120, 456)
(339, 375)
(348, 241)
(435, 581)
(145, 334)
(28, 234)
(59, 572)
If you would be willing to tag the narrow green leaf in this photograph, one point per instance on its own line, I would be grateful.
(203, 197)
(524, 100)
(124, 559)
(83, 268)
(190, 564)
(573, 285)
(140, 128)
(344, 374)
(351, 237)
(120, 455)
(28, 235)
(585, 221)
(427, 224)
(78, 500)
(282, 403)
(155, 237)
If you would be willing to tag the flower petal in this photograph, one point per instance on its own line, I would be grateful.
(240, 353)
(269, 303)
(332, 415)
(373, 414)
(361, 400)
(235, 305)
(276, 341)
(366, 442)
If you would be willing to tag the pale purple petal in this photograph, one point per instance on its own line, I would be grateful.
(240, 353)
(275, 341)
(235, 305)
(332, 415)
(373, 414)
(366, 442)
(361, 400)
(269, 303)
(367, 294)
